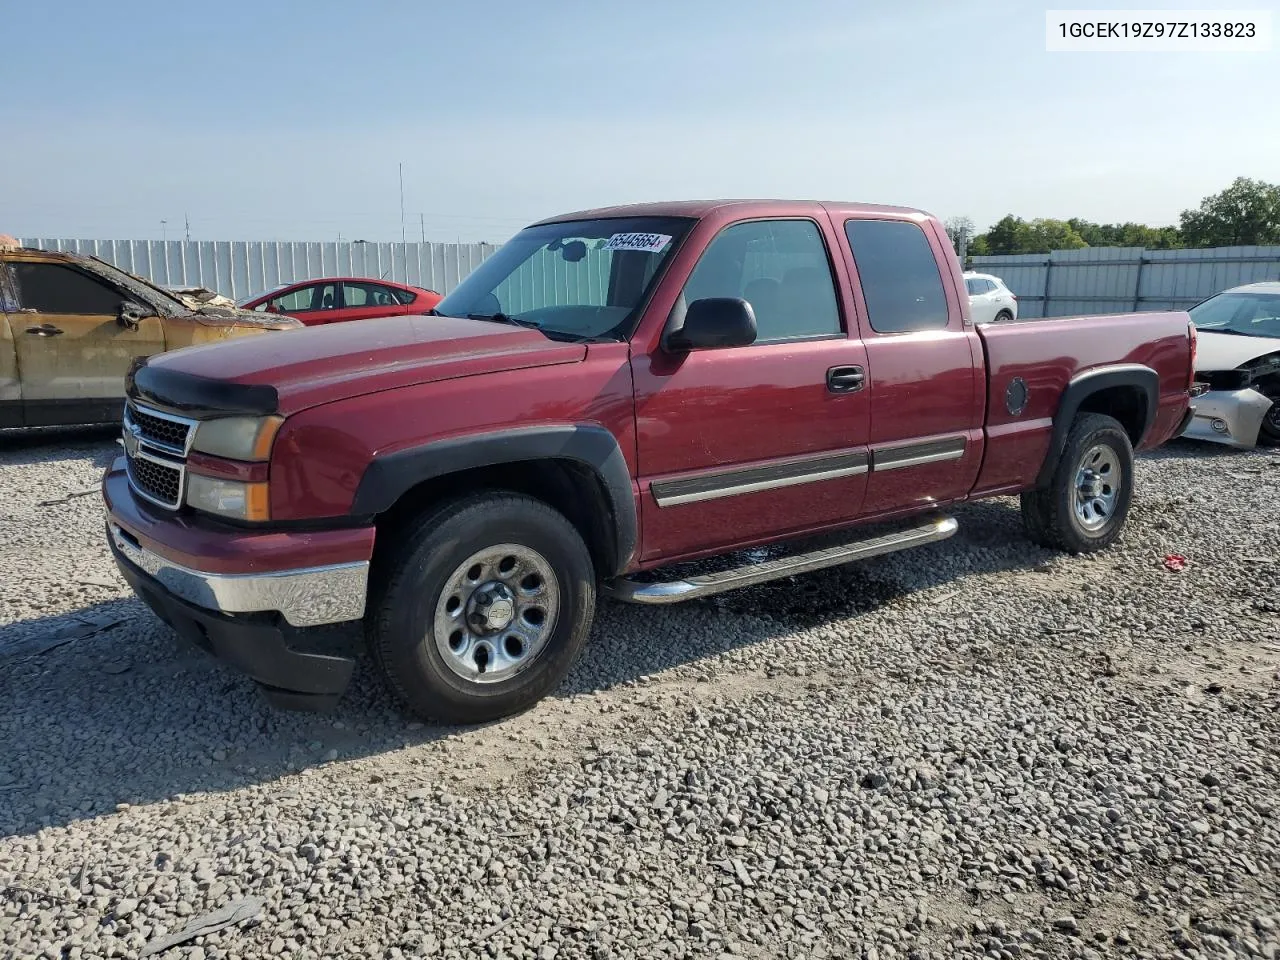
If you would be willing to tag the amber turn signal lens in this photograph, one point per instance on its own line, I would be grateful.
(229, 498)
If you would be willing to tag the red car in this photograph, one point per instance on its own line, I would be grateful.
(457, 489)
(335, 299)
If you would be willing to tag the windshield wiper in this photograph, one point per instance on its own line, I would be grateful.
(505, 318)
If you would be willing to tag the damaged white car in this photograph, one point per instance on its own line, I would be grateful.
(1237, 392)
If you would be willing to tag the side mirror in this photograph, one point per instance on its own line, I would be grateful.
(131, 314)
(715, 322)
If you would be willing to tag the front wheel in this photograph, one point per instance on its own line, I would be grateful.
(483, 608)
(1085, 504)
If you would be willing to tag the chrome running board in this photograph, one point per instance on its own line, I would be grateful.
(930, 530)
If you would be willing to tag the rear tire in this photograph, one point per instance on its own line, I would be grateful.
(1085, 504)
(482, 608)
(1004, 316)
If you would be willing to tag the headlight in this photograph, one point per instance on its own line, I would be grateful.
(237, 438)
(228, 498)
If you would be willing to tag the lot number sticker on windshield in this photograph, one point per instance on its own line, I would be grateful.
(647, 242)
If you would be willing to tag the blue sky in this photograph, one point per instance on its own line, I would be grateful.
(287, 120)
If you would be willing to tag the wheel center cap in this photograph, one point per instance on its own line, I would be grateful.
(492, 608)
(499, 615)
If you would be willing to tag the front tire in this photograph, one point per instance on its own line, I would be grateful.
(1085, 504)
(482, 609)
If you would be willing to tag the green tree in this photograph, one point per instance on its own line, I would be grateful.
(1012, 234)
(1244, 214)
(1126, 235)
(1007, 235)
(1046, 235)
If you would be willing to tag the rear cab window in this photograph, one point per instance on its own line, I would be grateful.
(899, 276)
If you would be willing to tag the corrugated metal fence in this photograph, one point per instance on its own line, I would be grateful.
(1067, 283)
(239, 268)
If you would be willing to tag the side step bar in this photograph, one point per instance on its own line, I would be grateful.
(930, 530)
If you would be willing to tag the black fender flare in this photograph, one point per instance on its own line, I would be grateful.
(1086, 384)
(389, 477)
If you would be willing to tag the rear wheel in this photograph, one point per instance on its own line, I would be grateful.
(1085, 504)
(483, 608)
(1004, 316)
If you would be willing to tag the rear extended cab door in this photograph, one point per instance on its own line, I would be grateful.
(10, 386)
(925, 374)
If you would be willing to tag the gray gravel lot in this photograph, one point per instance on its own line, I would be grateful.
(974, 748)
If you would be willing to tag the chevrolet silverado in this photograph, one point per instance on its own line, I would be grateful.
(612, 393)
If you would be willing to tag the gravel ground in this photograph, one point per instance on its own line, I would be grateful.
(979, 747)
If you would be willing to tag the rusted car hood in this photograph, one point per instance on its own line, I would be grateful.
(1226, 351)
(234, 316)
(317, 365)
(196, 297)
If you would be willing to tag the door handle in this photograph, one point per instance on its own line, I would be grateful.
(45, 330)
(845, 379)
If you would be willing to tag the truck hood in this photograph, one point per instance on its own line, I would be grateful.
(296, 369)
(1226, 351)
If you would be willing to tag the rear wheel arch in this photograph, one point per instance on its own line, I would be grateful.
(1128, 393)
(578, 470)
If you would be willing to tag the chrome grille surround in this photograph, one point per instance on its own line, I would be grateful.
(156, 445)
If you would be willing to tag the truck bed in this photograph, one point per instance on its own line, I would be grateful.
(1031, 363)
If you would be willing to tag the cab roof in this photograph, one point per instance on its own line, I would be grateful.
(698, 209)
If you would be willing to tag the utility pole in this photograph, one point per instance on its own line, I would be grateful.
(187, 218)
(402, 203)
(422, 222)
(164, 230)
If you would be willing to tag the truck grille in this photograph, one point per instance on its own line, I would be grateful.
(157, 481)
(155, 446)
(160, 430)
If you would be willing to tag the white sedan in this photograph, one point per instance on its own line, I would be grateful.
(1237, 394)
(990, 301)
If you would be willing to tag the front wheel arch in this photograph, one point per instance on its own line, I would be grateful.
(584, 457)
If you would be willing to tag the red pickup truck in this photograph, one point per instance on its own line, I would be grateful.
(613, 392)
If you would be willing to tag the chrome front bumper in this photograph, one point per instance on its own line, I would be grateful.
(305, 597)
(1236, 414)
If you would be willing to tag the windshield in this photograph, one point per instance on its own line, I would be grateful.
(578, 280)
(1244, 314)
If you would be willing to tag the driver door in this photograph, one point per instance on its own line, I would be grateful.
(72, 351)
